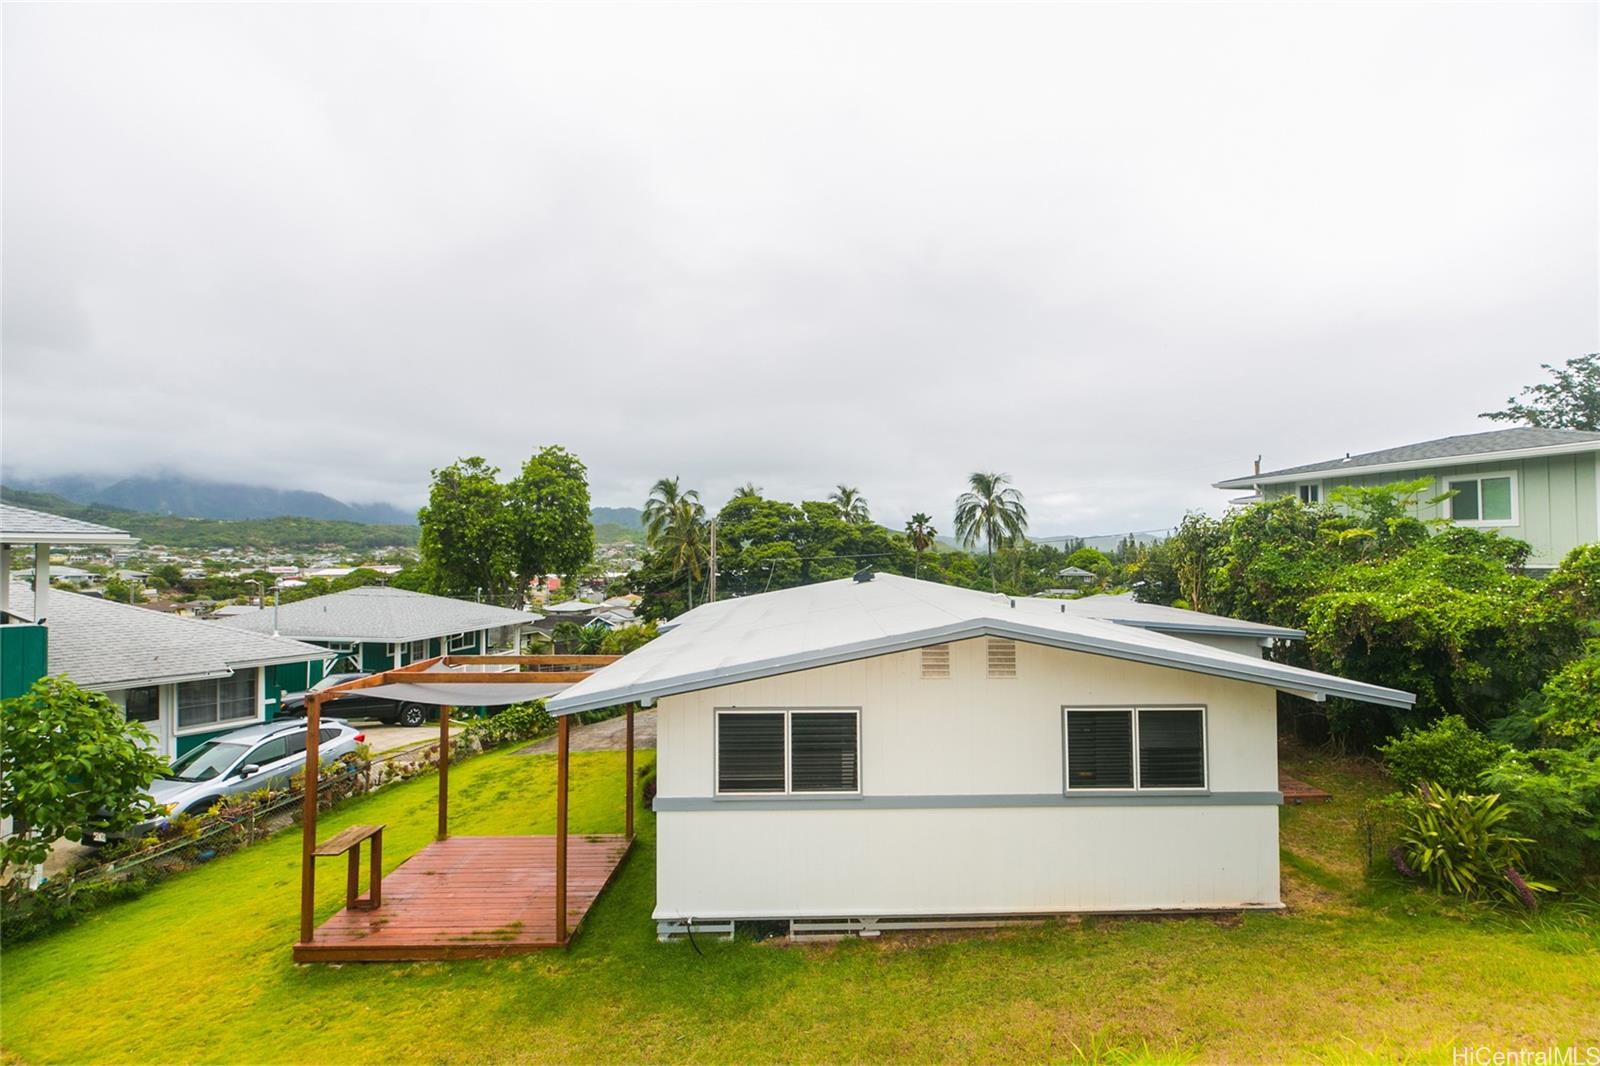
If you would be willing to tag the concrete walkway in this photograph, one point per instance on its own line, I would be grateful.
(609, 735)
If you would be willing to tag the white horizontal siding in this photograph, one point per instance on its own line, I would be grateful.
(968, 735)
(792, 864)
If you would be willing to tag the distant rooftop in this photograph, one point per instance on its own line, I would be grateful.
(23, 525)
(1523, 441)
(377, 614)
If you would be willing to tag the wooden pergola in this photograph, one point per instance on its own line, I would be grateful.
(462, 897)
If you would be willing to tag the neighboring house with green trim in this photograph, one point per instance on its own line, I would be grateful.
(375, 628)
(1537, 485)
(185, 679)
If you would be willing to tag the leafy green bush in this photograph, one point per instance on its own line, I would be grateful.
(1555, 798)
(1457, 842)
(1449, 752)
(1570, 701)
(520, 721)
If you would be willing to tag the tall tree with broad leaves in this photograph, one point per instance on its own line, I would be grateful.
(550, 531)
(990, 509)
(1571, 401)
(920, 532)
(852, 505)
(465, 541)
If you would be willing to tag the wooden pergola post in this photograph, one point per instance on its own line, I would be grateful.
(561, 831)
(627, 774)
(444, 772)
(308, 822)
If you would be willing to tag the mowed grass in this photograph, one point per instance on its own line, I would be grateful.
(198, 970)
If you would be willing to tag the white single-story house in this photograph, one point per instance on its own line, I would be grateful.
(871, 753)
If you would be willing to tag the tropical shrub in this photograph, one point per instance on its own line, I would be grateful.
(520, 721)
(1458, 843)
(627, 638)
(1569, 710)
(1555, 797)
(68, 758)
(1449, 752)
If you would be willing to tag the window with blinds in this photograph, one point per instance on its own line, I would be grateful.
(1172, 749)
(1135, 748)
(936, 661)
(750, 752)
(1002, 658)
(227, 699)
(1099, 749)
(788, 752)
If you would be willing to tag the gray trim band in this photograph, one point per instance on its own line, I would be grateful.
(913, 803)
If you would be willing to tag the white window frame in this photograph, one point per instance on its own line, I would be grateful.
(458, 644)
(1480, 522)
(414, 656)
(222, 725)
(1133, 714)
(341, 647)
(1300, 492)
(788, 767)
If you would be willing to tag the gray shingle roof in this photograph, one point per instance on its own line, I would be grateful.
(1465, 447)
(102, 644)
(379, 614)
(22, 525)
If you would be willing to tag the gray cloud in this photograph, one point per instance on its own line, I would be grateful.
(1115, 250)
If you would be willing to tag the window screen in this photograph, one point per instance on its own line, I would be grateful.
(1494, 499)
(1172, 749)
(143, 704)
(197, 703)
(237, 698)
(750, 752)
(1099, 749)
(1464, 504)
(822, 751)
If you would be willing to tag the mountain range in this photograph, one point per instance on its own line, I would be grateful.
(187, 497)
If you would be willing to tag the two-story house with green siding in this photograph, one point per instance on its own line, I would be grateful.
(375, 628)
(1537, 485)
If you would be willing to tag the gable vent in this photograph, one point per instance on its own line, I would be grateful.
(936, 661)
(1002, 658)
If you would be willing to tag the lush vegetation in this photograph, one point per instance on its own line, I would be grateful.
(1570, 400)
(498, 539)
(1360, 968)
(68, 758)
(289, 534)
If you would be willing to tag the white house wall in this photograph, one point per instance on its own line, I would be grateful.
(963, 807)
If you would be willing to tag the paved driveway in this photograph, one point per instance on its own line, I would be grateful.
(609, 735)
(382, 738)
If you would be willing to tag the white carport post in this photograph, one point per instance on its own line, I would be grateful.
(41, 582)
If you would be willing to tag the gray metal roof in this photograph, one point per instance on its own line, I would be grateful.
(1467, 447)
(102, 644)
(23, 525)
(1127, 611)
(839, 621)
(378, 614)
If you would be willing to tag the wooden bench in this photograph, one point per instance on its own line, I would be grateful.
(348, 841)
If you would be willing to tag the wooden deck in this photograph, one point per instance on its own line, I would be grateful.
(471, 897)
(1297, 791)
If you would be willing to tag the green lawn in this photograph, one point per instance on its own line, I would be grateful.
(199, 969)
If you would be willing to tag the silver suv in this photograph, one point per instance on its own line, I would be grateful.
(241, 762)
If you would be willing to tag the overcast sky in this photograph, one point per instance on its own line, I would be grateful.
(1116, 251)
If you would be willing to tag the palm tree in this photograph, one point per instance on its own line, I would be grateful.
(852, 505)
(683, 539)
(920, 532)
(665, 496)
(745, 491)
(990, 509)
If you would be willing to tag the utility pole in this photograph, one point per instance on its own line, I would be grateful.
(711, 589)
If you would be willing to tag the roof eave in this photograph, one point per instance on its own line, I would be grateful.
(1281, 477)
(65, 539)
